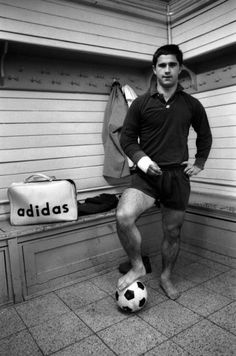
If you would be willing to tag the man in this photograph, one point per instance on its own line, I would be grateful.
(161, 119)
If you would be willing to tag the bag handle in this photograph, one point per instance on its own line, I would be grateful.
(36, 177)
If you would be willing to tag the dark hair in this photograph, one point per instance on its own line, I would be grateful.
(168, 49)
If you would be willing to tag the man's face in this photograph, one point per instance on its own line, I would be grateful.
(167, 70)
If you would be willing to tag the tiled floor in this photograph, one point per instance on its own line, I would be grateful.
(83, 319)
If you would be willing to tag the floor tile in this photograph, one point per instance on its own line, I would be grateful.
(167, 348)
(41, 309)
(186, 258)
(155, 293)
(91, 346)
(154, 297)
(20, 344)
(203, 301)
(206, 280)
(170, 318)
(131, 336)
(207, 339)
(107, 282)
(10, 322)
(101, 314)
(80, 294)
(214, 265)
(224, 284)
(197, 272)
(226, 317)
(181, 283)
(59, 332)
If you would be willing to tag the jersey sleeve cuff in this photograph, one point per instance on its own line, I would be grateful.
(200, 162)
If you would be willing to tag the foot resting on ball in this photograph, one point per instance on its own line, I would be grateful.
(134, 273)
(169, 289)
(124, 267)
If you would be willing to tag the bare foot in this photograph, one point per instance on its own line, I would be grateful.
(169, 289)
(131, 276)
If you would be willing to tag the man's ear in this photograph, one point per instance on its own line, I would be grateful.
(154, 70)
(180, 68)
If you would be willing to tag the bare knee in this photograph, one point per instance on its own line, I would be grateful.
(172, 232)
(124, 219)
(172, 222)
(131, 205)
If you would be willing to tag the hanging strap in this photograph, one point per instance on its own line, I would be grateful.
(39, 177)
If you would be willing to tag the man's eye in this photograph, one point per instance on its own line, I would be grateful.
(172, 65)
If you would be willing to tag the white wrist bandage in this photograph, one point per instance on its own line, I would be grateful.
(144, 163)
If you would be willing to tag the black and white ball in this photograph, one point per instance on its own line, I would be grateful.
(132, 298)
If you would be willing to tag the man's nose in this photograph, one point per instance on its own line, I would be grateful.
(167, 68)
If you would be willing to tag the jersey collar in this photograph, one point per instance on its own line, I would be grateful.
(153, 88)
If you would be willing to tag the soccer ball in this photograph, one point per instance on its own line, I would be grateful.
(132, 298)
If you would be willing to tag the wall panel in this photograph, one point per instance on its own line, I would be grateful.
(5, 276)
(72, 25)
(219, 175)
(205, 30)
(63, 148)
(210, 233)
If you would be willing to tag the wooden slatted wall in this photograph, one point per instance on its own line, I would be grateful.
(58, 133)
(219, 175)
(205, 30)
(71, 25)
(198, 32)
(53, 133)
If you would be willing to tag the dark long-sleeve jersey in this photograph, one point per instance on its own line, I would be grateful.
(160, 129)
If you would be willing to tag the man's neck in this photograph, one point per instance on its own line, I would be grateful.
(166, 92)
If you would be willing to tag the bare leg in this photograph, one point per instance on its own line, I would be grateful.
(172, 221)
(131, 205)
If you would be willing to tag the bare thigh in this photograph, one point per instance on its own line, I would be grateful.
(134, 202)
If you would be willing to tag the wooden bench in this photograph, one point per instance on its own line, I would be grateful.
(44, 257)
(35, 259)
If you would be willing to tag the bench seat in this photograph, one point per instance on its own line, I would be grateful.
(10, 231)
(45, 257)
(35, 259)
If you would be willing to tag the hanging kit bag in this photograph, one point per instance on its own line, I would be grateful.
(41, 199)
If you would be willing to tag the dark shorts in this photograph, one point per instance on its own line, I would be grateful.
(171, 189)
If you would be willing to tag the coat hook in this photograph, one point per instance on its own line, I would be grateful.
(115, 79)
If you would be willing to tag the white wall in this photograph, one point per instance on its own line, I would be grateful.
(210, 28)
(60, 133)
(56, 134)
(53, 140)
(71, 25)
(221, 110)
(219, 176)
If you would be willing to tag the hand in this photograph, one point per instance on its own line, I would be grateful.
(154, 170)
(191, 169)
